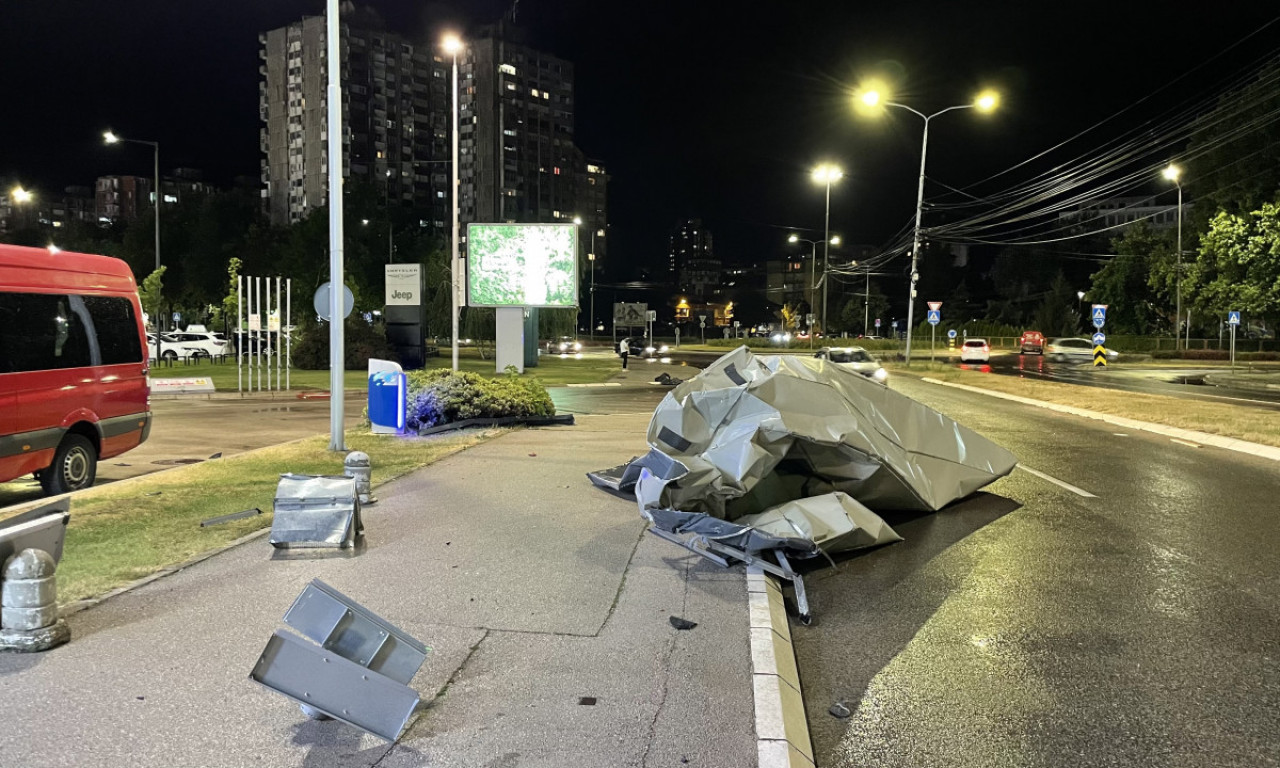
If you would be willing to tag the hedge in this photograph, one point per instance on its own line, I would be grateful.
(439, 396)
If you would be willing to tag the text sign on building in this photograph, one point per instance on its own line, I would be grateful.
(629, 313)
(522, 265)
(403, 285)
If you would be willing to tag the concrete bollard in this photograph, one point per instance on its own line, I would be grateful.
(358, 466)
(29, 604)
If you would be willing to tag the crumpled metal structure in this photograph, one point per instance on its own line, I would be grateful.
(795, 451)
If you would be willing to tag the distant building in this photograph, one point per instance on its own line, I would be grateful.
(396, 116)
(593, 196)
(121, 198)
(692, 262)
(1116, 213)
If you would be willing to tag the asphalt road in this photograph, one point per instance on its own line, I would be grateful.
(1175, 382)
(1032, 626)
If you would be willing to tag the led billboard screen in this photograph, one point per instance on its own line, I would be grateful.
(522, 265)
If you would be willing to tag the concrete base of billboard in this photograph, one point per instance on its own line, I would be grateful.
(509, 338)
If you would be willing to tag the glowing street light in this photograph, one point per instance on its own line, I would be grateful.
(813, 259)
(111, 138)
(869, 100)
(20, 195)
(1174, 173)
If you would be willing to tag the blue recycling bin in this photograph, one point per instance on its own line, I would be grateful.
(386, 401)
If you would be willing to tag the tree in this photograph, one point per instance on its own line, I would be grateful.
(1134, 284)
(1057, 314)
(150, 294)
(1239, 264)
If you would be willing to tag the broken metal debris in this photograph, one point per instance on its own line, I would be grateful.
(680, 623)
(790, 455)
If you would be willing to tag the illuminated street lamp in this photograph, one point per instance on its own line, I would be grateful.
(872, 99)
(1080, 305)
(453, 46)
(20, 195)
(111, 138)
(591, 258)
(826, 174)
(813, 259)
(1172, 173)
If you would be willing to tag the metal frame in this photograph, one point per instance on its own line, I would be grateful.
(718, 553)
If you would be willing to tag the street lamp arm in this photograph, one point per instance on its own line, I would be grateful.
(922, 115)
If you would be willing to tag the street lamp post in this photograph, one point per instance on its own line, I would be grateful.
(1172, 173)
(1080, 308)
(985, 102)
(813, 281)
(111, 138)
(452, 45)
(828, 175)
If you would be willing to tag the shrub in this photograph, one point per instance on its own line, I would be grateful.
(361, 339)
(440, 396)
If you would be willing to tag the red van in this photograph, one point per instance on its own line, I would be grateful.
(73, 365)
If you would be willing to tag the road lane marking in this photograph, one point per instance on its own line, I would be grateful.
(1119, 434)
(1056, 481)
(1184, 442)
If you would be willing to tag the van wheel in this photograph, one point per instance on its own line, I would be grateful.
(75, 465)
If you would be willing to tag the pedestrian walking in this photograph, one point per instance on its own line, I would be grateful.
(624, 348)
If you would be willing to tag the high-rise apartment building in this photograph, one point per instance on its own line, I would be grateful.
(692, 263)
(396, 113)
(518, 160)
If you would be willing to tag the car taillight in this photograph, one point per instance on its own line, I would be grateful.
(986, 348)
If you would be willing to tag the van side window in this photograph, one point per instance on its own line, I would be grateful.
(40, 332)
(117, 329)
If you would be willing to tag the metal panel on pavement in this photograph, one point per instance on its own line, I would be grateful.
(343, 626)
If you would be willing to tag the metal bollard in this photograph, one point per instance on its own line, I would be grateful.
(358, 466)
(29, 604)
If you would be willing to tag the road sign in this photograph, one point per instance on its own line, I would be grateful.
(626, 313)
(1099, 339)
(651, 315)
(877, 322)
(1099, 315)
(321, 301)
(934, 305)
(810, 319)
(951, 334)
(935, 317)
(1233, 317)
(1100, 356)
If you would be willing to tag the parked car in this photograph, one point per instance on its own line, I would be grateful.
(1077, 350)
(1032, 342)
(975, 351)
(196, 344)
(855, 359)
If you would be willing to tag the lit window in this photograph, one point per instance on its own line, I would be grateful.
(507, 69)
(556, 171)
(511, 86)
(534, 91)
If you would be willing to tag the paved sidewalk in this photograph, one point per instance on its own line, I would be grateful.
(537, 593)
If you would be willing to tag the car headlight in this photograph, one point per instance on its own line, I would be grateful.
(577, 346)
(662, 349)
(649, 350)
(881, 375)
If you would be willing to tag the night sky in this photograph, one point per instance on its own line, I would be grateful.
(709, 109)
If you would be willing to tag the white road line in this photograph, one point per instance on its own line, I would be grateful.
(1184, 442)
(1056, 481)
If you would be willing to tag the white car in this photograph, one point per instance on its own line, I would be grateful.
(855, 359)
(1077, 350)
(975, 351)
(191, 344)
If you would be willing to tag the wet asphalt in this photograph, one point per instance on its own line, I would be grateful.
(1031, 626)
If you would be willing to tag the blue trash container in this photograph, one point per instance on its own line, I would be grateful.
(386, 401)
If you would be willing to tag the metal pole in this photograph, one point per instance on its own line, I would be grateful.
(453, 267)
(288, 358)
(158, 194)
(813, 285)
(257, 304)
(866, 307)
(915, 241)
(826, 262)
(592, 333)
(336, 341)
(239, 336)
(1178, 311)
(279, 333)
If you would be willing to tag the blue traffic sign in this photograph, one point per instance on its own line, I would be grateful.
(935, 316)
(1233, 317)
(1099, 315)
(1099, 339)
(951, 334)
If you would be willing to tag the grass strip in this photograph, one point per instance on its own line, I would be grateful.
(1228, 420)
(120, 533)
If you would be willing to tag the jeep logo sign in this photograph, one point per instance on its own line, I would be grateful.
(404, 285)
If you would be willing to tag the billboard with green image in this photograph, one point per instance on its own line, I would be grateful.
(522, 265)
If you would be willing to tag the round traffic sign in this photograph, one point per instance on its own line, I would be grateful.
(321, 301)
(951, 334)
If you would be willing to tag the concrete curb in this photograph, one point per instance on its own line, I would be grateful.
(1203, 438)
(782, 730)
